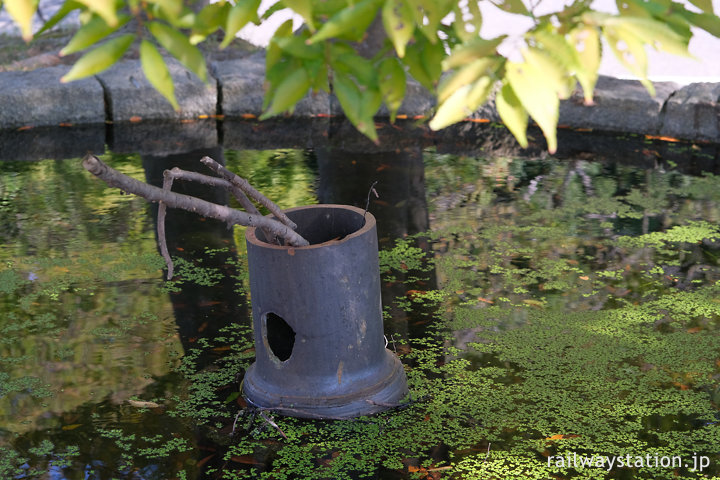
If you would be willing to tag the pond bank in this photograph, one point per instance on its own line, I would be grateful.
(121, 97)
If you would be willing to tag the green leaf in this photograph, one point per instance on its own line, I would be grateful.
(650, 31)
(425, 60)
(179, 47)
(392, 84)
(428, 14)
(565, 55)
(184, 19)
(328, 8)
(353, 64)
(512, 6)
(464, 76)
(318, 72)
(468, 21)
(569, 13)
(471, 50)
(462, 103)
(107, 9)
(632, 8)
(240, 15)
(556, 45)
(22, 12)
(298, 47)
(350, 23)
(452, 110)
(171, 9)
(664, 11)
(555, 75)
(232, 397)
(304, 8)
(359, 106)
(512, 113)
(706, 6)
(100, 58)
(538, 94)
(288, 92)
(709, 23)
(65, 9)
(91, 33)
(586, 42)
(399, 23)
(274, 53)
(157, 73)
(631, 53)
(480, 92)
(414, 62)
(275, 76)
(210, 18)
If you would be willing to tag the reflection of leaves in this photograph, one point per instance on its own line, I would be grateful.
(521, 250)
(10, 281)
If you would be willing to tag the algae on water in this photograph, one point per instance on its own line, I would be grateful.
(561, 310)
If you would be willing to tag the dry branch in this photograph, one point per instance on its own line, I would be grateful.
(240, 182)
(162, 208)
(176, 200)
(178, 174)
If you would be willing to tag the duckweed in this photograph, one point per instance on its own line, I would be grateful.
(557, 312)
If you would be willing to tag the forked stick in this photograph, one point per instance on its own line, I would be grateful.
(176, 200)
(249, 189)
(179, 174)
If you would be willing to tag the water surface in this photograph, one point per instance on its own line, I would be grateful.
(543, 307)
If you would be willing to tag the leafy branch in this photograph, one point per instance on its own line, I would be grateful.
(436, 42)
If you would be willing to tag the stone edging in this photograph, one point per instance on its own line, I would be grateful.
(122, 95)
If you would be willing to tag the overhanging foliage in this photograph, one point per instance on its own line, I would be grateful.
(436, 42)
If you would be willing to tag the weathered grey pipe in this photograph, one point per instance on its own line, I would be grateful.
(317, 319)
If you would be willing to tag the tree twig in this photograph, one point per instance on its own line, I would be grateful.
(239, 195)
(367, 204)
(249, 189)
(162, 208)
(273, 424)
(176, 200)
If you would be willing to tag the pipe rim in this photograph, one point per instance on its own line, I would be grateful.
(370, 222)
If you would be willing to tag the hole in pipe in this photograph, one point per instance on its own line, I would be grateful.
(280, 336)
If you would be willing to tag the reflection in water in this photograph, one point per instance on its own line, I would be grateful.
(201, 311)
(400, 208)
(570, 306)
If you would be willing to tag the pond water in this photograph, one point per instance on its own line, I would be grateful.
(549, 312)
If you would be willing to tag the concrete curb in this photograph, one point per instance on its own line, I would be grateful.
(122, 97)
(38, 98)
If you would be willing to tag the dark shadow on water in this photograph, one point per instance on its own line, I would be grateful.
(200, 311)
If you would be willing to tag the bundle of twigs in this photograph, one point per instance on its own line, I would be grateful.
(282, 228)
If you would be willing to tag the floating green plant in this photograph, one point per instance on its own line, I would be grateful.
(563, 310)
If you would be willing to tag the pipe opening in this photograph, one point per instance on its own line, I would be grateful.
(322, 224)
(280, 336)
